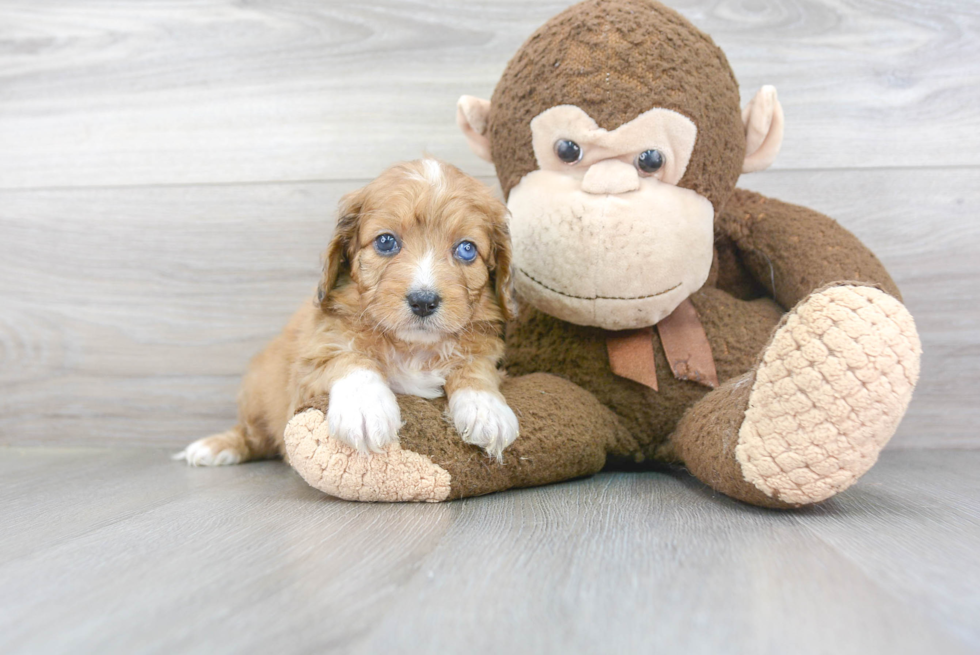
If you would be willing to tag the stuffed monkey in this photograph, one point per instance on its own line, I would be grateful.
(665, 315)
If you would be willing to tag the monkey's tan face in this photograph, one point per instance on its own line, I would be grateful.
(602, 235)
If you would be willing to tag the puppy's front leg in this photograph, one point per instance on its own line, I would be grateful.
(478, 409)
(362, 411)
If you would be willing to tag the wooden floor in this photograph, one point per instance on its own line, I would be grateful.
(123, 551)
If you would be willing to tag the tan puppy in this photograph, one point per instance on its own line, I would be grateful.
(416, 286)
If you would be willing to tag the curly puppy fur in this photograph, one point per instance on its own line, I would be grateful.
(361, 341)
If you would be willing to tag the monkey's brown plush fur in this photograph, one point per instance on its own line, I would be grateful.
(633, 52)
(816, 355)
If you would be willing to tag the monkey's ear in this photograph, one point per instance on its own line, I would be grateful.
(472, 115)
(763, 120)
(336, 260)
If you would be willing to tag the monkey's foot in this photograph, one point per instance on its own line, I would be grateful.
(392, 475)
(829, 392)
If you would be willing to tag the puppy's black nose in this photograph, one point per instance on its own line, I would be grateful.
(423, 303)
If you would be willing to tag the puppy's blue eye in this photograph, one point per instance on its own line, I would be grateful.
(386, 244)
(465, 251)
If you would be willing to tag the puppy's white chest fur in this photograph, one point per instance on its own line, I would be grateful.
(417, 374)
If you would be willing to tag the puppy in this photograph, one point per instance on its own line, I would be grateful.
(415, 289)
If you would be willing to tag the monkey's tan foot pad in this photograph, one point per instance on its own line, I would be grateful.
(393, 475)
(830, 390)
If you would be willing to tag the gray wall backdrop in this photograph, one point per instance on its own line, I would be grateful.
(169, 171)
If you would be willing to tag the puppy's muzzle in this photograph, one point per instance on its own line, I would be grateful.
(423, 303)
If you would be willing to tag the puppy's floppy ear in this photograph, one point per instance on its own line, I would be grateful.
(336, 260)
(501, 264)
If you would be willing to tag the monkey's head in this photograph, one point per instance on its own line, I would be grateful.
(617, 135)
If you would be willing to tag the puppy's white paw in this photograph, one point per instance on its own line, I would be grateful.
(363, 412)
(484, 419)
(209, 451)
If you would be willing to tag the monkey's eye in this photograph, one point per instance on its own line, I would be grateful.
(386, 244)
(650, 161)
(568, 151)
(465, 251)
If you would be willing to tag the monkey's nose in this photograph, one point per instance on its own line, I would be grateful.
(423, 303)
(610, 176)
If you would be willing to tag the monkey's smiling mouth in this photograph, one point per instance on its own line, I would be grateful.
(569, 295)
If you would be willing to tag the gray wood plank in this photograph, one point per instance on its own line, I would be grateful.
(691, 572)
(927, 521)
(104, 93)
(129, 314)
(145, 576)
(139, 309)
(148, 556)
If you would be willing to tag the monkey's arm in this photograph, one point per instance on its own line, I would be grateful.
(793, 251)
(565, 433)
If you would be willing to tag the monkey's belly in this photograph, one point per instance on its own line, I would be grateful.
(736, 329)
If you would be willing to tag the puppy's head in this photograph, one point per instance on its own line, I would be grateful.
(428, 249)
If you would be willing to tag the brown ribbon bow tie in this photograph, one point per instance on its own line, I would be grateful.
(685, 344)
